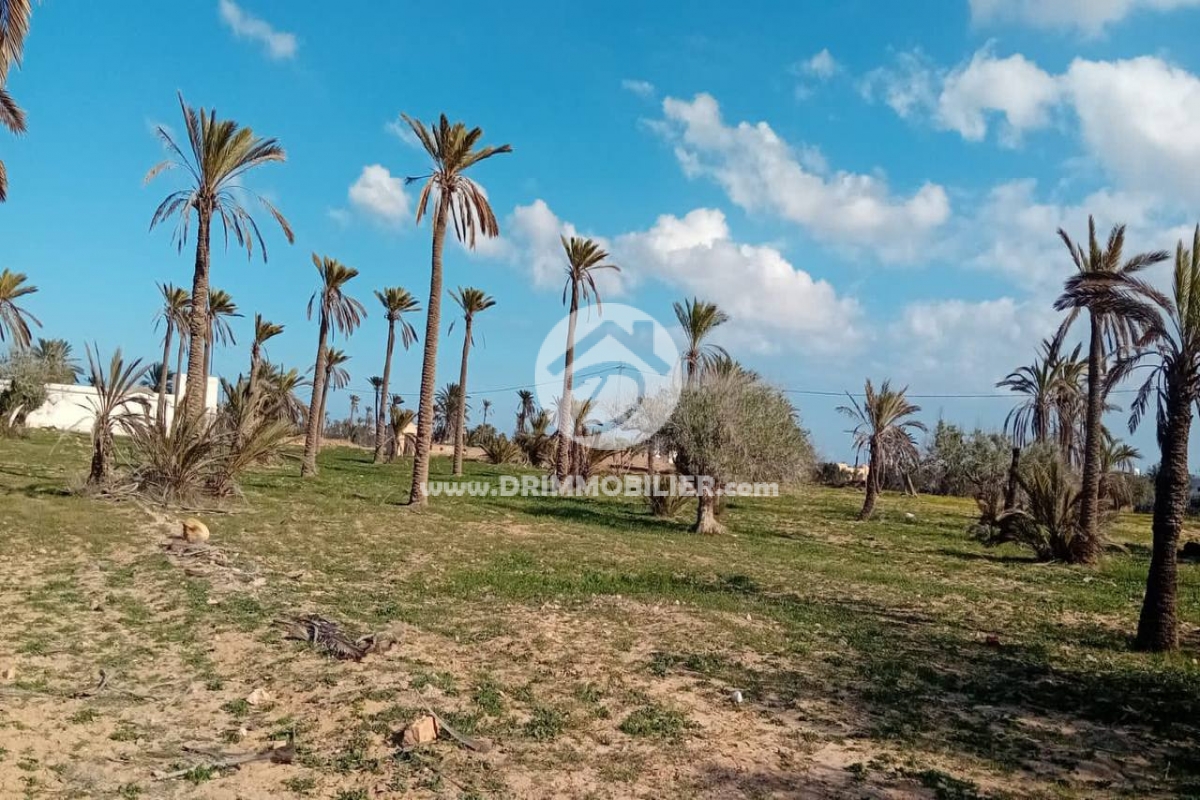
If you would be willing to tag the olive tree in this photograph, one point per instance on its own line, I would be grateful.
(735, 428)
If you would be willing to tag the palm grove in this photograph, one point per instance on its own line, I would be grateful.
(1057, 492)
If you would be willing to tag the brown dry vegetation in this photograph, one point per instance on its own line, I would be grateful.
(594, 647)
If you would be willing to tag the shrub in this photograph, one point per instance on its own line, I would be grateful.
(1048, 524)
(26, 392)
(499, 450)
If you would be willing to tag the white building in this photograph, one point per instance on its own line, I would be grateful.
(71, 407)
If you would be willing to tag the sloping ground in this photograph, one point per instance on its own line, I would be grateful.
(596, 649)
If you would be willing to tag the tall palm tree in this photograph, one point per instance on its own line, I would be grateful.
(60, 365)
(453, 151)
(396, 302)
(14, 320)
(526, 408)
(264, 331)
(884, 429)
(585, 259)
(472, 301)
(699, 319)
(354, 401)
(487, 409)
(173, 314)
(336, 312)
(376, 384)
(1108, 334)
(336, 377)
(221, 309)
(1045, 383)
(219, 154)
(1170, 348)
(14, 26)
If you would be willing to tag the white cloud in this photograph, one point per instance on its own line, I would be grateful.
(279, 44)
(1138, 118)
(761, 172)
(639, 87)
(1089, 17)
(379, 195)
(773, 304)
(821, 66)
(1141, 119)
(1014, 87)
(959, 343)
(908, 87)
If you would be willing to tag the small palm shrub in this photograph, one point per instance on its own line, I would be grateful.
(1048, 522)
(537, 443)
(664, 498)
(118, 404)
(500, 450)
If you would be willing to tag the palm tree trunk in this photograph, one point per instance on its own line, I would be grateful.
(326, 390)
(706, 512)
(873, 471)
(460, 428)
(566, 422)
(1088, 549)
(1014, 473)
(194, 400)
(316, 415)
(162, 378)
(1158, 626)
(380, 428)
(419, 495)
(178, 373)
(102, 458)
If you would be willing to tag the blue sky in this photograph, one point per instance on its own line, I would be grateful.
(869, 190)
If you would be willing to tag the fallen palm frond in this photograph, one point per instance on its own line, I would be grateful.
(325, 635)
(276, 755)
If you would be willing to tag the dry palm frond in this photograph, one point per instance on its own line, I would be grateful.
(327, 636)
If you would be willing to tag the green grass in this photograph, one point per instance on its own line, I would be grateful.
(549, 623)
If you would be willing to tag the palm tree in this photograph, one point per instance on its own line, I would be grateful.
(1096, 266)
(699, 319)
(1169, 347)
(487, 409)
(448, 409)
(526, 408)
(396, 302)
(376, 384)
(337, 312)
(354, 401)
(14, 320)
(116, 404)
(14, 26)
(585, 258)
(884, 430)
(400, 419)
(279, 400)
(453, 151)
(221, 308)
(56, 358)
(220, 153)
(336, 377)
(472, 301)
(173, 314)
(264, 331)
(156, 374)
(1047, 384)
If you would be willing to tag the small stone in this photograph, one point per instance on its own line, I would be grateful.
(736, 697)
(258, 697)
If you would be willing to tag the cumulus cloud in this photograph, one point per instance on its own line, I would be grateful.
(774, 305)
(381, 196)
(959, 343)
(1012, 87)
(760, 172)
(1138, 118)
(1089, 17)
(279, 45)
(639, 87)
